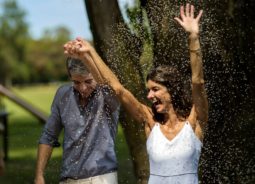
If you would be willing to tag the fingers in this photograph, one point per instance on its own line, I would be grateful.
(77, 48)
(182, 12)
(80, 39)
(187, 10)
(192, 11)
(70, 48)
(178, 20)
(199, 15)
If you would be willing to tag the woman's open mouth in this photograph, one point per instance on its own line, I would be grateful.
(156, 102)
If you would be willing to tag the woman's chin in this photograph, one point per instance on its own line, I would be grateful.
(161, 110)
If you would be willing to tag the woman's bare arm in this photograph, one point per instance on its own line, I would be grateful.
(198, 89)
(82, 50)
(191, 25)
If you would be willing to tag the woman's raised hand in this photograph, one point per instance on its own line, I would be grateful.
(187, 19)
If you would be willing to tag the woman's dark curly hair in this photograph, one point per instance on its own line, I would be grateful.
(178, 87)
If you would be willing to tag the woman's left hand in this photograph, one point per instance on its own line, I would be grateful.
(187, 20)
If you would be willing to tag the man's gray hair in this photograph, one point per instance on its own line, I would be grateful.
(76, 66)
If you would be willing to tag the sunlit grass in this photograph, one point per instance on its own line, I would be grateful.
(24, 131)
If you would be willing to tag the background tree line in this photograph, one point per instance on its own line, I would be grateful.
(24, 59)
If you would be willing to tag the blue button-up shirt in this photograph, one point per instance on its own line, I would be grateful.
(89, 132)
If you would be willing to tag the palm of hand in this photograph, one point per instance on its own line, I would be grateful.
(190, 25)
(187, 20)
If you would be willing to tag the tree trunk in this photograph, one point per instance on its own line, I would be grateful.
(121, 50)
(228, 153)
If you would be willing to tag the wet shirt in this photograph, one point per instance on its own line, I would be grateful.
(89, 132)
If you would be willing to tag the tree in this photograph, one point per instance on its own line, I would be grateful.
(228, 152)
(45, 56)
(13, 36)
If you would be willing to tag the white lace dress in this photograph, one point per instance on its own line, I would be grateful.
(174, 161)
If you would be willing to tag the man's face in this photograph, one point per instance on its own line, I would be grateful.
(84, 84)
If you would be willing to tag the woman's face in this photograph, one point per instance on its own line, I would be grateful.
(159, 96)
(84, 84)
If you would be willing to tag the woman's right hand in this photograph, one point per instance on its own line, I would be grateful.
(77, 48)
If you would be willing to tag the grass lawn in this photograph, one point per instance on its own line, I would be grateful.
(24, 131)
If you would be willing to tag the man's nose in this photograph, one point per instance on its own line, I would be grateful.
(83, 87)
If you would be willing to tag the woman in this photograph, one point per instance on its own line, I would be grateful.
(174, 124)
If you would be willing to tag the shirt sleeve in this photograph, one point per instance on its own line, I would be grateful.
(53, 125)
(111, 100)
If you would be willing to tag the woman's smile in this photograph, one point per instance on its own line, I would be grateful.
(159, 96)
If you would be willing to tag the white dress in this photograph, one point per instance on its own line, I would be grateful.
(174, 161)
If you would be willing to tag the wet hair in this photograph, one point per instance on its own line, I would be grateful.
(76, 66)
(178, 87)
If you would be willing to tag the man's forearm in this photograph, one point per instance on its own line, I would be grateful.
(43, 155)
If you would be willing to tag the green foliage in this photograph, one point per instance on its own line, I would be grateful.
(139, 25)
(13, 33)
(24, 59)
(59, 33)
(138, 22)
(46, 59)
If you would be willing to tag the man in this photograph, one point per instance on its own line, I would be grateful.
(88, 112)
